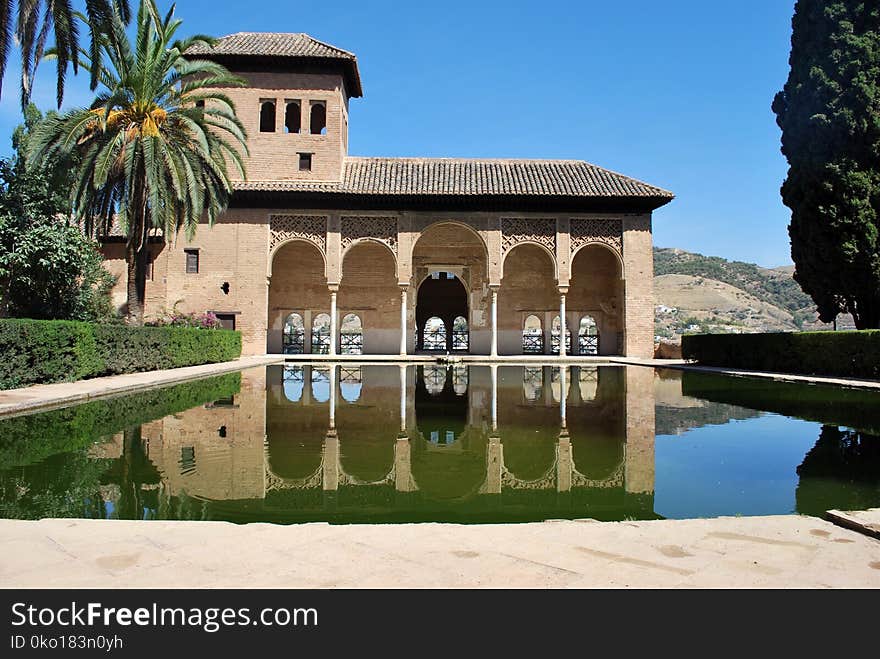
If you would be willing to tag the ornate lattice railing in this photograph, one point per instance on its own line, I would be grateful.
(533, 344)
(434, 339)
(351, 343)
(588, 344)
(293, 341)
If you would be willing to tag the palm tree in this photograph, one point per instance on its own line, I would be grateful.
(155, 148)
(30, 21)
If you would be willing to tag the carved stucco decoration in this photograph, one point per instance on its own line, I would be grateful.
(303, 227)
(516, 230)
(358, 227)
(587, 231)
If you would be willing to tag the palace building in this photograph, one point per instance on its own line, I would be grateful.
(321, 251)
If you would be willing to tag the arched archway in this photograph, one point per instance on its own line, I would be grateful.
(528, 290)
(440, 300)
(597, 291)
(297, 288)
(368, 291)
(450, 273)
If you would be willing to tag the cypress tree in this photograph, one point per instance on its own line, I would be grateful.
(829, 113)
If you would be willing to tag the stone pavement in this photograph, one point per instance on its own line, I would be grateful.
(59, 394)
(733, 552)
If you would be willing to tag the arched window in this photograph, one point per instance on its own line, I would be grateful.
(293, 335)
(533, 336)
(318, 119)
(292, 382)
(434, 334)
(588, 337)
(292, 117)
(351, 335)
(350, 383)
(554, 337)
(267, 116)
(321, 334)
(460, 335)
(533, 383)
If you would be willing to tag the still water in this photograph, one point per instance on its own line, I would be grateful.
(459, 444)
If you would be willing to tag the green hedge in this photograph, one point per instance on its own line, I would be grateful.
(43, 351)
(854, 354)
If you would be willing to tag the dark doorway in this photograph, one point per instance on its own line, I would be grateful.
(442, 297)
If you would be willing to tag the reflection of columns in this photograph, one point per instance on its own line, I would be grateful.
(563, 462)
(333, 324)
(562, 323)
(403, 290)
(640, 419)
(494, 318)
(494, 371)
(563, 393)
(330, 469)
(403, 400)
(332, 381)
(403, 480)
(494, 462)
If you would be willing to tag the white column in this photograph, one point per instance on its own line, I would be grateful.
(403, 320)
(333, 327)
(562, 323)
(494, 346)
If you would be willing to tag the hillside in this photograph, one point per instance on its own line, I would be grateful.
(696, 293)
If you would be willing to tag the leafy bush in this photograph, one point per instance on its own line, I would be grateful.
(43, 351)
(175, 318)
(842, 354)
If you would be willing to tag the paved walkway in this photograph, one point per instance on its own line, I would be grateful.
(740, 552)
(47, 396)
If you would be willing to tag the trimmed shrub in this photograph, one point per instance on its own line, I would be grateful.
(852, 354)
(44, 351)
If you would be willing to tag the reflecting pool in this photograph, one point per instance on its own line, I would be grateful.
(388, 443)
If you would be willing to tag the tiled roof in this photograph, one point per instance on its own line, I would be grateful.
(466, 177)
(277, 44)
(280, 45)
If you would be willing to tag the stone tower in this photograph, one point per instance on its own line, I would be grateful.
(295, 107)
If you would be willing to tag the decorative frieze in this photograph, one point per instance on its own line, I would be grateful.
(586, 231)
(300, 227)
(358, 227)
(516, 230)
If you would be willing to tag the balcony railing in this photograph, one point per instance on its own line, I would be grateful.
(533, 344)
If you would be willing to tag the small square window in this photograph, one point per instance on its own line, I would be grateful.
(227, 320)
(192, 261)
(305, 162)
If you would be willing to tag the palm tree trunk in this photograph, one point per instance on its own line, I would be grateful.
(136, 259)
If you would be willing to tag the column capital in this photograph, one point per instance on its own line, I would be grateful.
(494, 287)
(333, 288)
(403, 286)
(563, 290)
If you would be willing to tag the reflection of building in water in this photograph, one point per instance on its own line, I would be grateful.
(451, 436)
(213, 451)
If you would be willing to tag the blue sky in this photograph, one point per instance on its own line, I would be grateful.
(674, 92)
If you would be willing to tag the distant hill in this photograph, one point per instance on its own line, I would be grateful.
(709, 294)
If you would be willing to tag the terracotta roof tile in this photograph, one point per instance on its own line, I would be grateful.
(463, 177)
